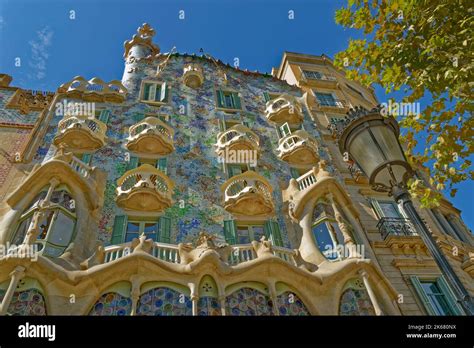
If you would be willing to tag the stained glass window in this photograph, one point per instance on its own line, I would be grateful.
(355, 300)
(209, 306)
(247, 301)
(112, 303)
(28, 302)
(164, 301)
(290, 304)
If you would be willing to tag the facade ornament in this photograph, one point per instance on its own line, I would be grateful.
(262, 247)
(27, 101)
(143, 37)
(301, 263)
(142, 244)
(204, 243)
(97, 258)
(322, 172)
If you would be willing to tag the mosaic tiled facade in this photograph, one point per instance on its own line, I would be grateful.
(137, 197)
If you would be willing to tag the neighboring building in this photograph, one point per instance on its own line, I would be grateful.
(194, 188)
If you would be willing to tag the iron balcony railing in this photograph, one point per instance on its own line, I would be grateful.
(396, 227)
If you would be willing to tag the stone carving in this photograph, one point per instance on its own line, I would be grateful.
(97, 258)
(26, 100)
(204, 243)
(301, 263)
(262, 247)
(143, 37)
(142, 244)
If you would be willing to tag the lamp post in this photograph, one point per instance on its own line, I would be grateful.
(371, 140)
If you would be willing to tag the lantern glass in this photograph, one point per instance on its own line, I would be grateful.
(365, 152)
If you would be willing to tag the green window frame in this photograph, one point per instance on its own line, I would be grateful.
(436, 296)
(230, 231)
(162, 229)
(162, 165)
(228, 100)
(104, 116)
(132, 163)
(273, 233)
(155, 92)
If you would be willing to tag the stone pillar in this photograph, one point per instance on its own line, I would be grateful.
(373, 298)
(348, 241)
(221, 300)
(16, 275)
(135, 296)
(53, 183)
(308, 249)
(195, 299)
(273, 296)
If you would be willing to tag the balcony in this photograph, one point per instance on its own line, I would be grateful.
(283, 109)
(94, 90)
(248, 194)
(299, 148)
(170, 253)
(151, 136)
(236, 138)
(193, 76)
(396, 227)
(81, 133)
(145, 189)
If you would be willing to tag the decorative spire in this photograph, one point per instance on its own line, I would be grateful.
(143, 37)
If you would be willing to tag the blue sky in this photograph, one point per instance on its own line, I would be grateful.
(54, 48)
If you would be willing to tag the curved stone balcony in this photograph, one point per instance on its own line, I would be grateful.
(248, 194)
(238, 137)
(151, 136)
(283, 109)
(193, 76)
(81, 133)
(144, 189)
(94, 89)
(299, 148)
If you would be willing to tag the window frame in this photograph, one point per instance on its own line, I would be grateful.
(156, 83)
(224, 107)
(141, 228)
(251, 233)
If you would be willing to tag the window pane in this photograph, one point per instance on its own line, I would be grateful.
(228, 102)
(324, 240)
(437, 298)
(21, 232)
(151, 230)
(389, 210)
(45, 223)
(64, 199)
(326, 99)
(133, 229)
(258, 232)
(243, 236)
(62, 230)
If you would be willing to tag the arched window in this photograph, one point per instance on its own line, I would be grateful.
(115, 301)
(165, 301)
(248, 301)
(326, 232)
(355, 300)
(288, 303)
(28, 298)
(57, 226)
(208, 303)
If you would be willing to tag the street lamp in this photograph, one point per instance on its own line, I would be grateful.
(371, 140)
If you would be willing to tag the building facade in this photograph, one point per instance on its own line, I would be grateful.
(191, 187)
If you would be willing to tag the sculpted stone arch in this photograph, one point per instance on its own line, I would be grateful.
(115, 300)
(164, 299)
(289, 302)
(28, 298)
(248, 299)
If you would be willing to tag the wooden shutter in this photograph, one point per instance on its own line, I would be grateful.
(133, 163)
(449, 295)
(138, 116)
(272, 229)
(118, 232)
(86, 158)
(266, 96)
(220, 99)
(222, 126)
(162, 165)
(422, 296)
(234, 169)
(146, 91)
(230, 231)
(165, 229)
(246, 124)
(236, 100)
(295, 174)
(152, 93)
(163, 92)
(104, 116)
